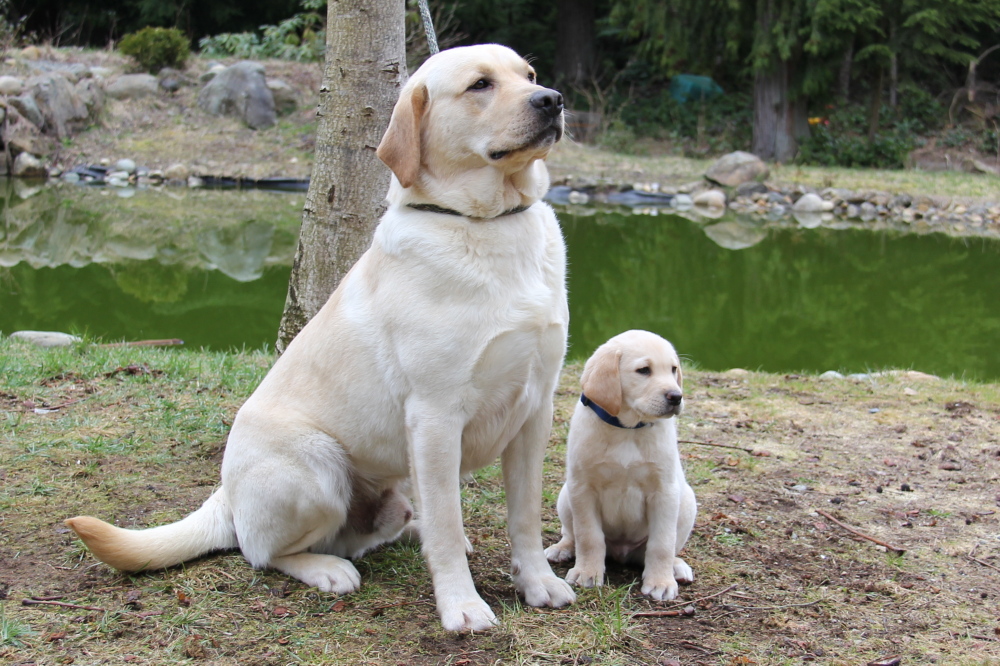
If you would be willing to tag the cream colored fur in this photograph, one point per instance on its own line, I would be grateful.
(438, 352)
(625, 495)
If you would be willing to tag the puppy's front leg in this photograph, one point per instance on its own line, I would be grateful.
(591, 548)
(436, 457)
(522, 475)
(658, 573)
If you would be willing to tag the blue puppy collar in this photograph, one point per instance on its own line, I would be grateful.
(607, 418)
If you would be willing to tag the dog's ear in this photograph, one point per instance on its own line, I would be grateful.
(400, 146)
(680, 376)
(601, 380)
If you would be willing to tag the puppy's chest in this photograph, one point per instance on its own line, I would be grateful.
(626, 466)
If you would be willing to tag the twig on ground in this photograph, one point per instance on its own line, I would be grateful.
(55, 597)
(379, 610)
(978, 561)
(898, 551)
(810, 603)
(672, 610)
(169, 342)
(721, 446)
(40, 602)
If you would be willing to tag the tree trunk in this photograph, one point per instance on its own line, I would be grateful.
(876, 105)
(774, 115)
(845, 72)
(574, 63)
(364, 69)
(893, 66)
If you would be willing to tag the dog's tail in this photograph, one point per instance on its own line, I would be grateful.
(207, 529)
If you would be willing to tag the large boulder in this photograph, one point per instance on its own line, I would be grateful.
(737, 168)
(28, 108)
(62, 108)
(285, 99)
(130, 86)
(240, 90)
(91, 93)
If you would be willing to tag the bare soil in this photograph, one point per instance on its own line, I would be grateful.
(136, 436)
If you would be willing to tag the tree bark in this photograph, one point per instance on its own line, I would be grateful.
(574, 62)
(845, 72)
(774, 115)
(893, 66)
(364, 69)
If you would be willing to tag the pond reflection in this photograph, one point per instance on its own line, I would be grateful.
(212, 268)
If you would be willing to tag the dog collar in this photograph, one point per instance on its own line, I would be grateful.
(607, 418)
(434, 208)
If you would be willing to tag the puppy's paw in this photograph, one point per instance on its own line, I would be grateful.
(560, 552)
(682, 572)
(585, 577)
(546, 590)
(659, 587)
(466, 616)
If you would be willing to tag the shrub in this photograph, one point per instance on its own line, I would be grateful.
(156, 48)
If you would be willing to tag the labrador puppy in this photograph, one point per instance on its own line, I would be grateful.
(437, 353)
(625, 496)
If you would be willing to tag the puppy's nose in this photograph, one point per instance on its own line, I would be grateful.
(674, 398)
(549, 102)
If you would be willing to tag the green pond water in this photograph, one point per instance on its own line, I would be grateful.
(211, 268)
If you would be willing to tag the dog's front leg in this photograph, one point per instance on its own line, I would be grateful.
(658, 572)
(436, 457)
(522, 474)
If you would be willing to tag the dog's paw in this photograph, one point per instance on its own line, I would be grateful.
(546, 590)
(682, 572)
(466, 616)
(326, 572)
(560, 552)
(659, 587)
(582, 577)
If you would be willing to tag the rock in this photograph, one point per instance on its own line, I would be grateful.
(285, 99)
(735, 235)
(983, 167)
(132, 86)
(31, 53)
(751, 188)
(831, 374)
(91, 93)
(101, 72)
(240, 90)
(737, 168)
(807, 219)
(901, 201)
(126, 165)
(213, 70)
(27, 165)
(868, 211)
(682, 201)
(28, 108)
(72, 72)
(776, 198)
(578, 198)
(711, 199)
(810, 203)
(46, 338)
(62, 108)
(11, 85)
(176, 172)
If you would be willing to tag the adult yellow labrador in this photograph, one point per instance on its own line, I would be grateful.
(438, 352)
(625, 495)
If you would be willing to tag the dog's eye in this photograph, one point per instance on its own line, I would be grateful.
(481, 84)
(531, 77)
(644, 370)
(674, 370)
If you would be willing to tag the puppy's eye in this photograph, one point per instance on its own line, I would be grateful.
(644, 370)
(674, 370)
(531, 77)
(481, 84)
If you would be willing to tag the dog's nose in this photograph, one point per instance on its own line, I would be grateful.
(674, 398)
(549, 102)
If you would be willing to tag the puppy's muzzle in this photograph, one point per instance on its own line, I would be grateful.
(674, 398)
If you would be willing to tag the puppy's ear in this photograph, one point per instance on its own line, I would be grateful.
(601, 380)
(400, 146)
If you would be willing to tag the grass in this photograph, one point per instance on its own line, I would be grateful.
(137, 435)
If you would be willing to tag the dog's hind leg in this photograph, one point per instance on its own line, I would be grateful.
(565, 549)
(288, 496)
(685, 523)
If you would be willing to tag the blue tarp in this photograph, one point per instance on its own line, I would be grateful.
(685, 87)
